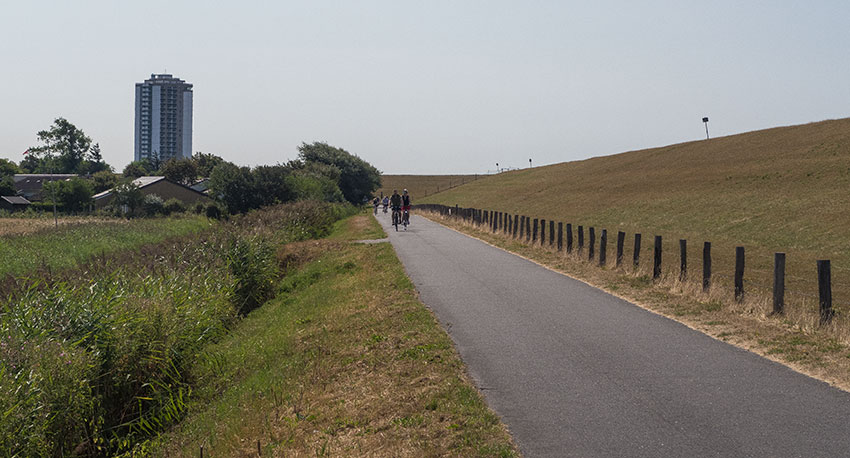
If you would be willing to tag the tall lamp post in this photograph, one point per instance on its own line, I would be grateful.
(529, 163)
(497, 167)
(705, 121)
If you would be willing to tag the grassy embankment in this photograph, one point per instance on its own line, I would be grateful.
(344, 362)
(777, 190)
(98, 359)
(420, 186)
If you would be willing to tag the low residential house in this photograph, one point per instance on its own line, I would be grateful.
(13, 203)
(31, 185)
(160, 186)
(202, 185)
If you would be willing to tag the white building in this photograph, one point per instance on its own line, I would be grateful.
(163, 118)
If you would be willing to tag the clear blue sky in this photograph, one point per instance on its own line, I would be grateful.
(426, 86)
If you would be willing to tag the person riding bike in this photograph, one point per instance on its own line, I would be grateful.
(395, 203)
(386, 203)
(405, 206)
(375, 203)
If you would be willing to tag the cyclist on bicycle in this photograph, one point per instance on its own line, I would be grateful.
(405, 206)
(386, 203)
(375, 202)
(395, 201)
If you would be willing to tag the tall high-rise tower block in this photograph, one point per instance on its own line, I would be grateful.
(163, 118)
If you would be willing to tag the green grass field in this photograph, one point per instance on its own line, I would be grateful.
(72, 244)
(777, 190)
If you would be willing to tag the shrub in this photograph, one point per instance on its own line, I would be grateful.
(174, 206)
(213, 211)
(152, 205)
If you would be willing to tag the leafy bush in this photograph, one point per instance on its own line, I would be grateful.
(152, 205)
(213, 211)
(174, 206)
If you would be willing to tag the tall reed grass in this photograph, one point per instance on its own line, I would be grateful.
(93, 366)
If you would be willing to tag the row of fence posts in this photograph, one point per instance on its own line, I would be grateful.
(533, 230)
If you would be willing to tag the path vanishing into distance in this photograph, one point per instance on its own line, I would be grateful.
(574, 371)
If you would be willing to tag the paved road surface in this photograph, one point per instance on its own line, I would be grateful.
(574, 371)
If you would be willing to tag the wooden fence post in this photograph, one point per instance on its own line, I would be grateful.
(739, 273)
(542, 232)
(683, 260)
(825, 291)
(621, 239)
(521, 226)
(636, 253)
(603, 244)
(551, 233)
(591, 242)
(560, 236)
(527, 228)
(656, 264)
(516, 223)
(706, 266)
(779, 283)
(510, 221)
(534, 234)
(580, 239)
(569, 238)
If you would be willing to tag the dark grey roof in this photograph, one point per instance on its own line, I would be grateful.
(16, 200)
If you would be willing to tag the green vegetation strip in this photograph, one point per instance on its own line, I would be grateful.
(98, 365)
(344, 362)
(68, 246)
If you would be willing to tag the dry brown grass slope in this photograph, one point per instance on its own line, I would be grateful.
(420, 186)
(782, 189)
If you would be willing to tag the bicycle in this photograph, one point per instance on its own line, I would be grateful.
(396, 218)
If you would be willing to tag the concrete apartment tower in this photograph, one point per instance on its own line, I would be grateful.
(163, 118)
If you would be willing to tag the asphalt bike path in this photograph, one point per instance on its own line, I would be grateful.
(575, 371)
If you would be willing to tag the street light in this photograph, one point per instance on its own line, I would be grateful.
(529, 162)
(497, 167)
(705, 120)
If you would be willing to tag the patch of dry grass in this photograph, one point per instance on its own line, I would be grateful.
(24, 226)
(420, 186)
(795, 339)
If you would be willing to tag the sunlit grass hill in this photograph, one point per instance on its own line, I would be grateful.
(784, 189)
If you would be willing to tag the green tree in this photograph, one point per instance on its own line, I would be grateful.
(7, 186)
(271, 185)
(103, 180)
(73, 195)
(234, 187)
(358, 179)
(64, 142)
(94, 162)
(183, 171)
(7, 171)
(128, 196)
(138, 169)
(8, 168)
(315, 181)
(205, 163)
